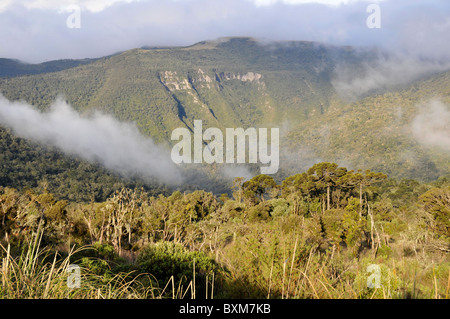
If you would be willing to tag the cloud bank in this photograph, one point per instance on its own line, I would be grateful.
(431, 127)
(100, 139)
(36, 31)
(384, 73)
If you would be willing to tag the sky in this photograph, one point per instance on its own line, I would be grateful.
(41, 30)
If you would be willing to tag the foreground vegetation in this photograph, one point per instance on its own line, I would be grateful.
(311, 236)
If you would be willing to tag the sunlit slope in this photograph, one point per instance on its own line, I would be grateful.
(404, 133)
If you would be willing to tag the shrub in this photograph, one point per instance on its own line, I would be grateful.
(280, 207)
(260, 212)
(166, 259)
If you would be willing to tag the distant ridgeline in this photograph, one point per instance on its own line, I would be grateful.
(235, 82)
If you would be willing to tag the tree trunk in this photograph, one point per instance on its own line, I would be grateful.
(323, 204)
(328, 197)
(360, 200)
(371, 227)
(102, 230)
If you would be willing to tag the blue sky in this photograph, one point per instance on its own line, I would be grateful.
(37, 30)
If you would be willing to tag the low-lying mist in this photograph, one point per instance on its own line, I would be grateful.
(385, 72)
(100, 138)
(431, 126)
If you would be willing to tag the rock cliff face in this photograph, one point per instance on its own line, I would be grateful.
(215, 92)
(200, 79)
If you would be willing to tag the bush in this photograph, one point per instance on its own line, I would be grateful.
(166, 259)
(280, 207)
(384, 251)
(260, 212)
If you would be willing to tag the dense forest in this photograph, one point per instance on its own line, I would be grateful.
(311, 236)
(28, 165)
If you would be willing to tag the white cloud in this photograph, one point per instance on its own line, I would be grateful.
(385, 72)
(36, 30)
(118, 146)
(335, 3)
(59, 5)
(431, 126)
(4, 4)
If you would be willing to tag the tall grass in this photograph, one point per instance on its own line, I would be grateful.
(326, 279)
(39, 273)
(324, 275)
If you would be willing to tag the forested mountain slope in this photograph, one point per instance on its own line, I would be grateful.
(239, 82)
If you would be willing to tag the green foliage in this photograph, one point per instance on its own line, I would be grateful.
(234, 209)
(384, 251)
(12, 68)
(27, 165)
(166, 259)
(285, 247)
(333, 222)
(436, 202)
(258, 188)
(280, 207)
(354, 226)
(260, 212)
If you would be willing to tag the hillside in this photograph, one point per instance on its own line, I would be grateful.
(12, 68)
(379, 132)
(238, 82)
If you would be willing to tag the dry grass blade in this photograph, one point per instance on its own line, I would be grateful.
(47, 287)
(448, 285)
(311, 284)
